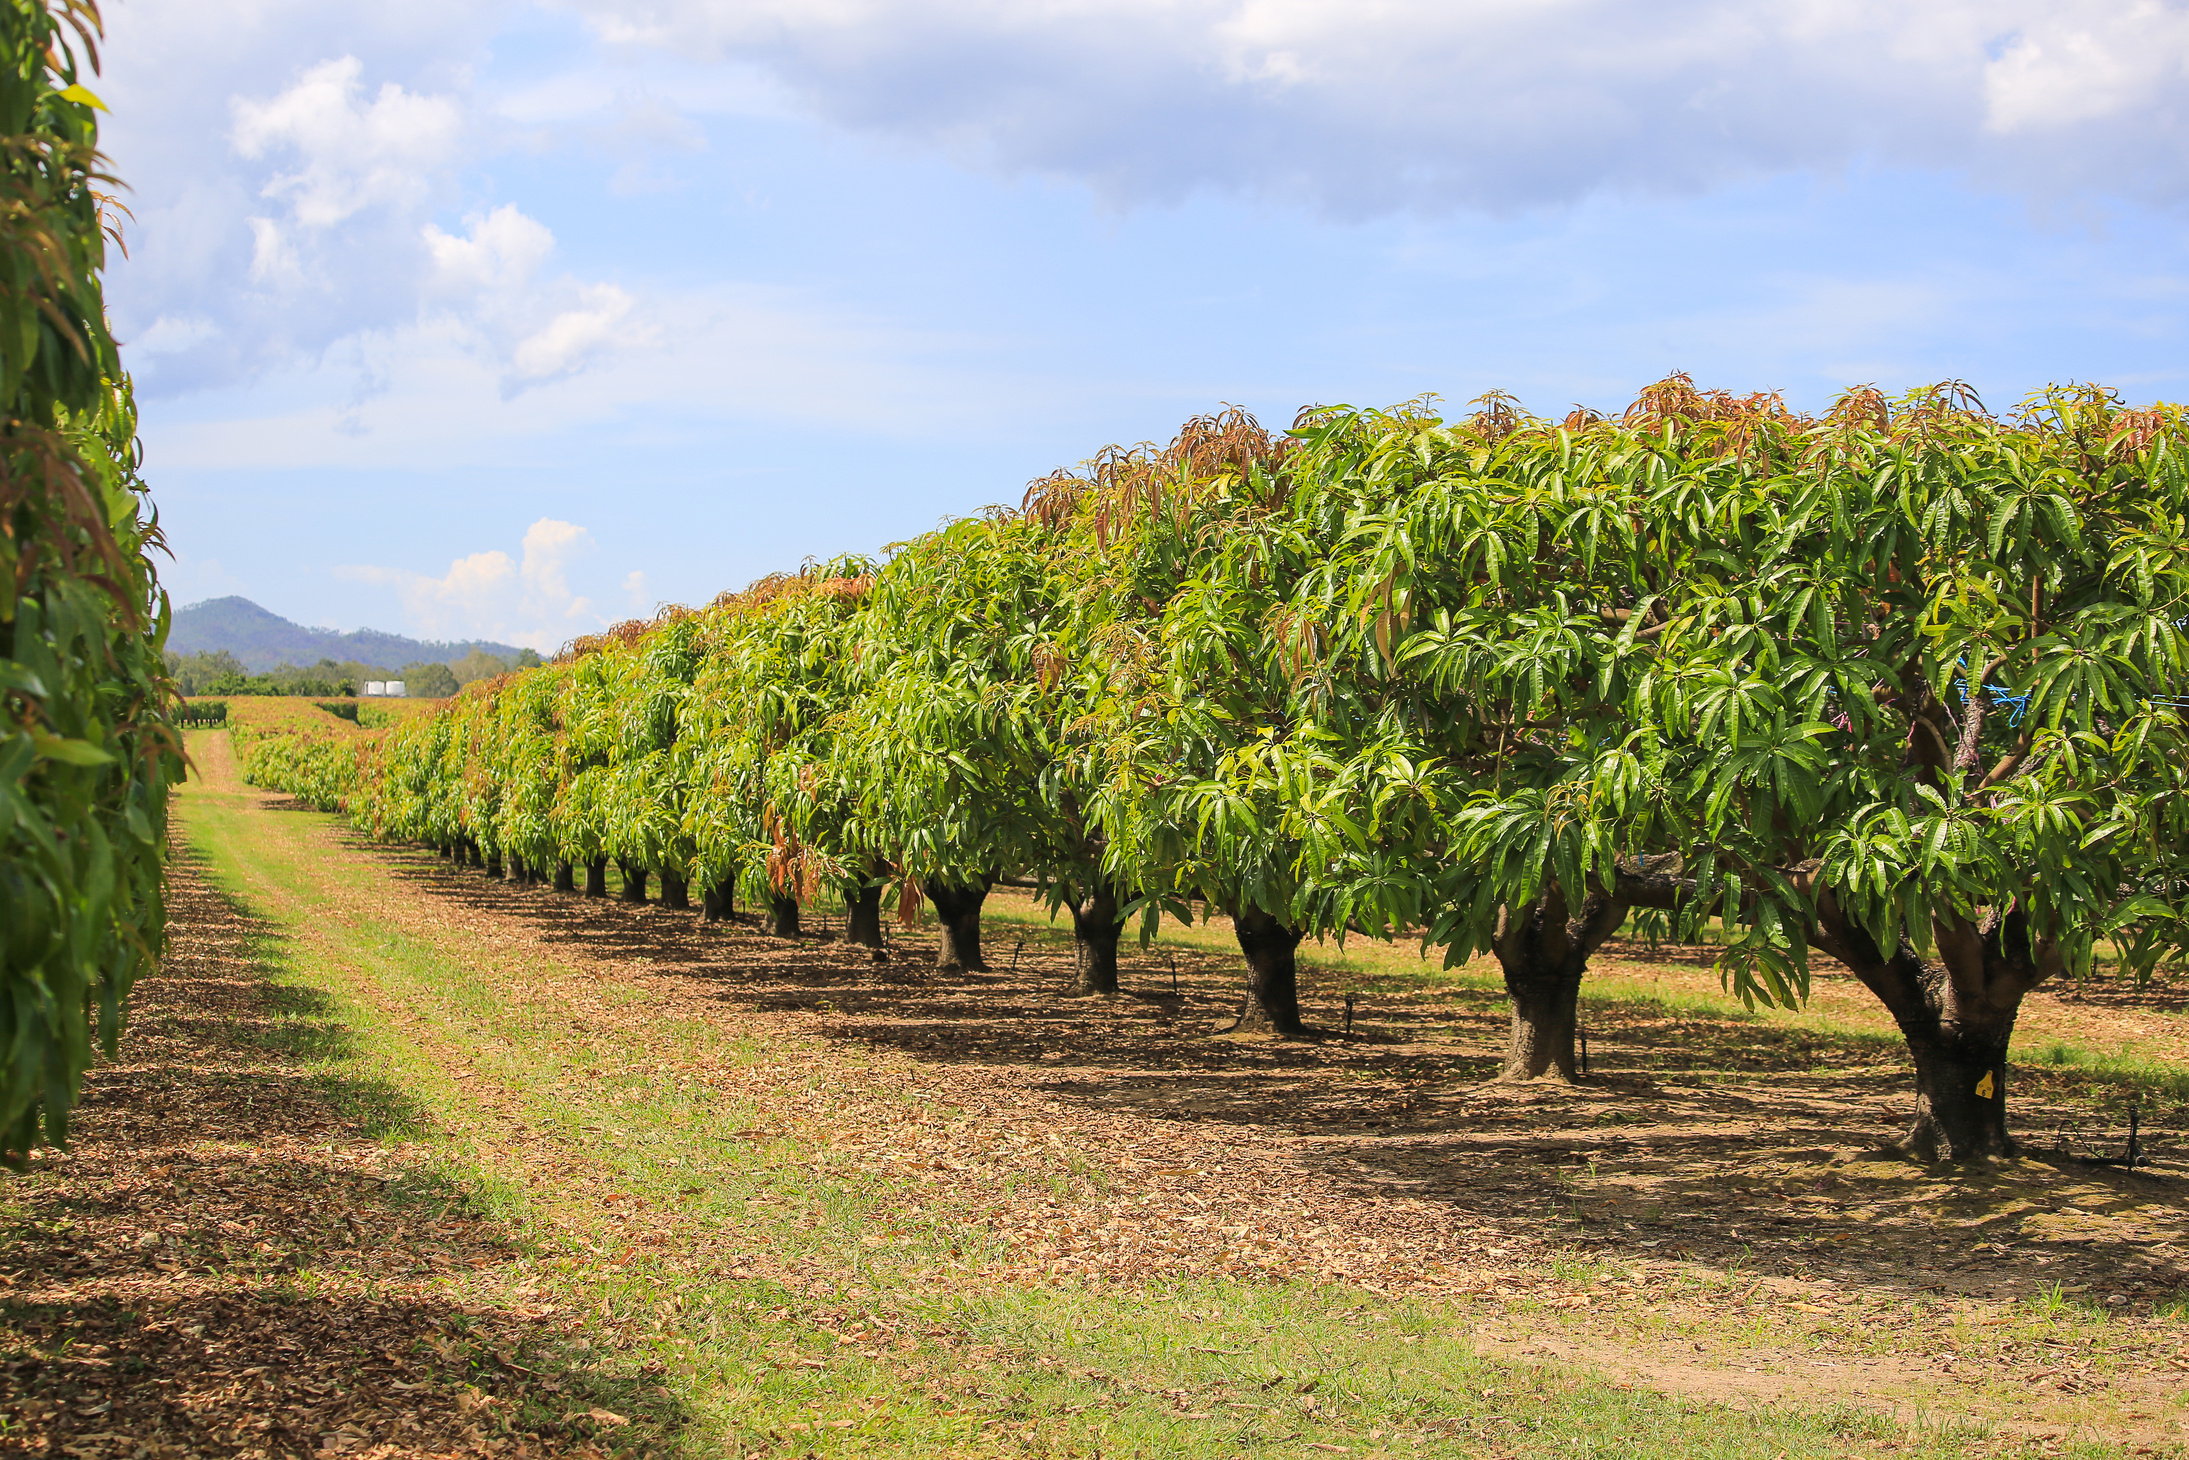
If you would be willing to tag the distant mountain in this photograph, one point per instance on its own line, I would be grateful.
(263, 639)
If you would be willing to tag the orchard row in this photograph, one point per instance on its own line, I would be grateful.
(1900, 684)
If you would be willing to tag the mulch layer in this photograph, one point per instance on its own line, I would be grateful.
(222, 1264)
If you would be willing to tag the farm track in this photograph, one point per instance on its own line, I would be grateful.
(1705, 1235)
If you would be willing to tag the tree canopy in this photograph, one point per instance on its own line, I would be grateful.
(1903, 683)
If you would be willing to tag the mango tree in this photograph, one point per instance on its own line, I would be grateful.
(1906, 701)
(964, 734)
(770, 677)
(1192, 554)
(1459, 636)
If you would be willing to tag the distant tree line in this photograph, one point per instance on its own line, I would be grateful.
(219, 672)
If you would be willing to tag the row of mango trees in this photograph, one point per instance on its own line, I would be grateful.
(88, 745)
(1899, 684)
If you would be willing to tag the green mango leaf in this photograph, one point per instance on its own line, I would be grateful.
(70, 752)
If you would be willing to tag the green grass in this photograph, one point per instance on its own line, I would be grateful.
(883, 1348)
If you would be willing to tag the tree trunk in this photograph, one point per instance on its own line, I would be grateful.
(494, 864)
(1545, 1006)
(1957, 1015)
(634, 880)
(564, 880)
(783, 916)
(1960, 1094)
(958, 909)
(863, 916)
(675, 891)
(1543, 950)
(1095, 929)
(596, 877)
(1273, 983)
(717, 900)
(520, 871)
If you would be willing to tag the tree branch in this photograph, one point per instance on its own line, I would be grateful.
(1972, 718)
(2008, 763)
(1653, 882)
(1921, 721)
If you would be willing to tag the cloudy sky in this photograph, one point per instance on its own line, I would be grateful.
(512, 318)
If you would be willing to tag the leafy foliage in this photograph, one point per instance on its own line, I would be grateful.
(1906, 678)
(87, 746)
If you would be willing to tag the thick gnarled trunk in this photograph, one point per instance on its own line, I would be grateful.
(1957, 1015)
(1273, 980)
(596, 877)
(675, 891)
(717, 902)
(565, 879)
(783, 916)
(634, 880)
(1545, 1000)
(957, 908)
(1543, 950)
(1095, 930)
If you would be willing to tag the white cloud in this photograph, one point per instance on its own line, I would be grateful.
(274, 261)
(292, 203)
(527, 600)
(2090, 63)
(574, 336)
(331, 185)
(729, 353)
(1360, 106)
(488, 282)
(503, 250)
(349, 153)
(173, 333)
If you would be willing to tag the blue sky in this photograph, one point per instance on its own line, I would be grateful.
(512, 319)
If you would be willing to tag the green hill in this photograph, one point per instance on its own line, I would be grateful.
(265, 640)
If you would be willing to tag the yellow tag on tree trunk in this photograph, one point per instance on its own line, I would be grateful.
(1984, 1087)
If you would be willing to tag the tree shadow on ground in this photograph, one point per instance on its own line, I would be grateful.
(228, 1261)
(1728, 1142)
